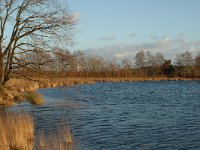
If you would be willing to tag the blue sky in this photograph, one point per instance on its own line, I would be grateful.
(120, 28)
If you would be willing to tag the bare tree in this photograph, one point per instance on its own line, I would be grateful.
(126, 63)
(26, 25)
(150, 61)
(159, 59)
(140, 59)
(80, 60)
(64, 60)
(197, 66)
(184, 59)
(34, 60)
(95, 64)
(197, 60)
(184, 62)
(126, 66)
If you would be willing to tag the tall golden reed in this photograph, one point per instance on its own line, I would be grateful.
(17, 133)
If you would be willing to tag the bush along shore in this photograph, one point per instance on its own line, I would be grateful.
(18, 90)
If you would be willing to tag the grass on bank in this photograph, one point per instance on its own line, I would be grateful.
(17, 132)
(12, 90)
(32, 97)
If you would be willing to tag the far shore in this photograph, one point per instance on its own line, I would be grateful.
(15, 86)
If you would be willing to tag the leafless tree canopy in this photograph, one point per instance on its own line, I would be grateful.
(27, 25)
(184, 59)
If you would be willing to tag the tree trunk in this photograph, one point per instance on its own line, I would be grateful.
(1, 67)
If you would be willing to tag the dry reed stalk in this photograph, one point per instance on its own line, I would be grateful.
(16, 131)
(34, 98)
(61, 140)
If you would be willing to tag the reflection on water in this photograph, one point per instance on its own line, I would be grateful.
(125, 116)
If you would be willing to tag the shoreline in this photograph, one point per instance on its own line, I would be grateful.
(18, 86)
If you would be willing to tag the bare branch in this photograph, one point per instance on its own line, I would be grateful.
(34, 25)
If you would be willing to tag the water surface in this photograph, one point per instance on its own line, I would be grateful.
(126, 115)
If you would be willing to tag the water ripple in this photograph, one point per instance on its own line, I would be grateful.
(125, 116)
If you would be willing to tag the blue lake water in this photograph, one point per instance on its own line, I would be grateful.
(125, 115)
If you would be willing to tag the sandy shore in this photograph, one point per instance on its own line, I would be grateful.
(15, 86)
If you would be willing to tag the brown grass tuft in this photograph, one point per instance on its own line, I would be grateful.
(16, 131)
(33, 97)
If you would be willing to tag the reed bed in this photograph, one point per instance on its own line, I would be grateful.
(17, 132)
(60, 140)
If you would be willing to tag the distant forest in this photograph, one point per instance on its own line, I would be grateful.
(78, 64)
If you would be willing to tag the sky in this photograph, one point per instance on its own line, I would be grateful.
(120, 28)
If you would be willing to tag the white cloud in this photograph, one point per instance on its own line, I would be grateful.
(169, 47)
(123, 54)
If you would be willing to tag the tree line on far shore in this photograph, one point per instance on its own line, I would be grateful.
(78, 64)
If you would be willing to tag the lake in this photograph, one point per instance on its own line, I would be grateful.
(125, 115)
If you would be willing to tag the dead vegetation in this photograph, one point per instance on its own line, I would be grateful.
(32, 97)
(17, 132)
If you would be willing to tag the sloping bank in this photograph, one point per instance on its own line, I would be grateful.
(16, 87)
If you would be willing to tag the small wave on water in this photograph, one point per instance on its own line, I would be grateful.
(66, 104)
